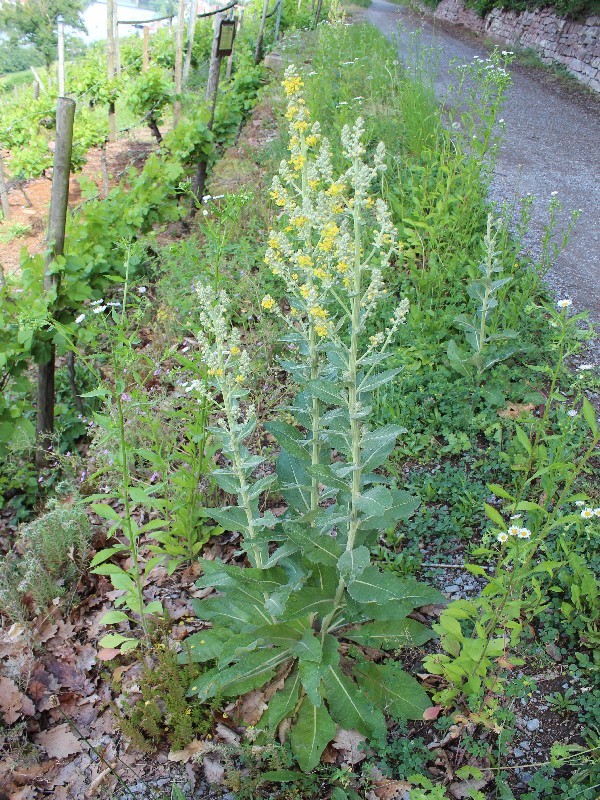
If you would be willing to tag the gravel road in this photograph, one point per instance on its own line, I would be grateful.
(551, 144)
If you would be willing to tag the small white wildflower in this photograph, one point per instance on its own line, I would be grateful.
(514, 530)
(502, 537)
(516, 516)
(79, 319)
(206, 198)
(96, 302)
(524, 533)
(564, 303)
(586, 367)
(553, 194)
(597, 512)
(99, 309)
(587, 513)
(205, 212)
(142, 289)
(572, 412)
(579, 502)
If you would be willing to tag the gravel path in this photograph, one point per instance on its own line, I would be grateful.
(551, 144)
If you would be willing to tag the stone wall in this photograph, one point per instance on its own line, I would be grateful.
(576, 44)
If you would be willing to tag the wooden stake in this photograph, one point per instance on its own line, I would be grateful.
(179, 61)
(40, 82)
(212, 87)
(59, 200)
(278, 20)
(146, 49)
(110, 51)
(3, 193)
(190, 41)
(61, 57)
(318, 12)
(238, 31)
(261, 32)
(117, 40)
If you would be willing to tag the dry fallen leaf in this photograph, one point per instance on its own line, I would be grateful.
(514, 410)
(59, 742)
(351, 745)
(194, 748)
(107, 654)
(432, 712)
(463, 789)
(386, 789)
(226, 734)
(250, 708)
(13, 702)
(214, 771)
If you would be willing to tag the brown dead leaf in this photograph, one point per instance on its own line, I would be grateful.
(432, 712)
(250, 708)
(59, 742)
(350, 743)
(13, 702)
(226, 734)
(120, 671)
(107, 654)
(386, 789)
(514, 410)
(195, 748)
(214, 771)
(463, 789)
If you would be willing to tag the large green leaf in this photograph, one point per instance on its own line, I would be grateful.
(295, 482)
(204, 645)
(378, 444)
(375, 586)
(311, 734)
(374, 502)
(318, 548)
(349, 707)
(283, 702)
(253, 671)
(232, 518)
(377, 380)
(327, 392)
(389, 687)
(309, 647)
(390, 635)
(326, 475)
(223, 611)
(353, 563)
(309, 600)
(289, 439)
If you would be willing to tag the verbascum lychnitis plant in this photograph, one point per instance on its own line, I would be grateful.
(300, 622)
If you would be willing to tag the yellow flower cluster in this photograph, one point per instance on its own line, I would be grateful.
(292, 85)
(267, 302)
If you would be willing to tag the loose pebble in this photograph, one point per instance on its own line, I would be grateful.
(533, 725)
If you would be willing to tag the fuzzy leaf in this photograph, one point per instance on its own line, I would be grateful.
(353, 563)
(232, 518)
(295, 482)
(389, 687)
(378, 444)
(308, 648)
(253, 671)
(309, 600)
(590, 416)
(374, 586)
(327, 392)
(317, 547)
(375, 381)
(283, 702)
(327, 476)
(311, 734)
(289, 439)
(390, 635)
(204, 646)
(348, 705)
(459, 360)
(374, 502)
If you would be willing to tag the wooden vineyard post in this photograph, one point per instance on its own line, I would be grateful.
(110, 49)
(146, 49)
(179, 61)
(278, 20)
(238, 31)
(190, 42)
(65, 115)
(212, 87)
(261, 32)
(318, 12)
(61, 57)
(3, 192)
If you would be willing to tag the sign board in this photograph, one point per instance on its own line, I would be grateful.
(226, 37)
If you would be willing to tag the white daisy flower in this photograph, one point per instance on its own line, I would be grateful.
(502, 537)
(587, 513)
(524, 533)
(514, 530)
(579, 502)
(564, 303)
